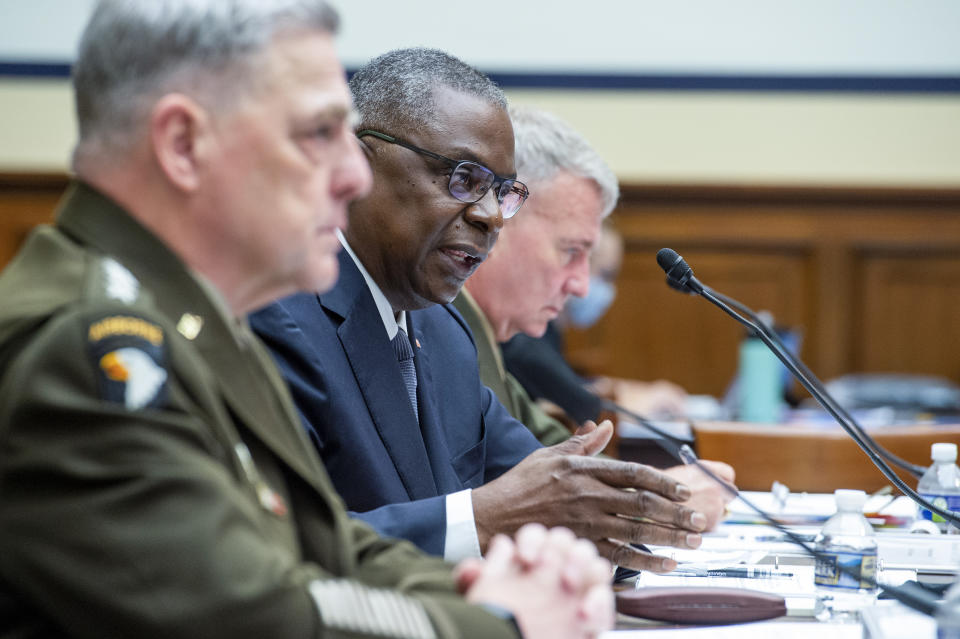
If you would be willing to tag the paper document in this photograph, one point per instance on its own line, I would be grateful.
(810, 508)
(758, 630)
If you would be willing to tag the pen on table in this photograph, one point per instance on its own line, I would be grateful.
(738, 573)
(784, 538)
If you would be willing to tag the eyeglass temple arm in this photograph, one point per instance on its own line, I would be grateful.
(397, 141)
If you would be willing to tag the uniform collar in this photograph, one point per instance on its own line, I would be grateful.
(473, 309)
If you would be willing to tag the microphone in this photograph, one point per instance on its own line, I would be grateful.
(679, 274)
(672, 263)
(914, 469)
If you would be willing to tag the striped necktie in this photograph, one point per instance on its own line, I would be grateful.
(404, 353)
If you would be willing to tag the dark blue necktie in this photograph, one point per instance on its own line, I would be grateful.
(404, 353)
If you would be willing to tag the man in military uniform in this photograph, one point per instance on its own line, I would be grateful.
(154, 480)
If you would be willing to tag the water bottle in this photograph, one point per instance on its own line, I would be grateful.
(846, 540)
(940, 485)
(760, 380)
(948, 614)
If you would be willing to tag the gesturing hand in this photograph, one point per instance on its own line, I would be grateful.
(606, 501)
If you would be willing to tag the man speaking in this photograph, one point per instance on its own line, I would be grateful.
(384, 372)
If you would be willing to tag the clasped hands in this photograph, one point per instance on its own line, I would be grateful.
(555, 585)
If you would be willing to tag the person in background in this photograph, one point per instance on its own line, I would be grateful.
(385, 373)
(154, 479)
(542, 261)
(540, 366)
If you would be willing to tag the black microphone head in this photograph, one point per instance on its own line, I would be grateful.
(667, 258)
(679, 274)
(679, 286)
(674, 266)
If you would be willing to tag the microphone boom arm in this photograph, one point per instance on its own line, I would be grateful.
(914, 469)
(828, 406)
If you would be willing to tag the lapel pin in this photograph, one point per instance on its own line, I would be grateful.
(189, 325)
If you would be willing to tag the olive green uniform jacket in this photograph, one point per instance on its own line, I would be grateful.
(505, 386)
(154, 479)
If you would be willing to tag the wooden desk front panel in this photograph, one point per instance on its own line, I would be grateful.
(811, 459)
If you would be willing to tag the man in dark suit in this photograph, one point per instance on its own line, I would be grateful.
(385, 374)
(155, 479)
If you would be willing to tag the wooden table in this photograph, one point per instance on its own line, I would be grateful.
(813, 459)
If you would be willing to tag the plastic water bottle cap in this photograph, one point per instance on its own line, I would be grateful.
(850, 500)
(943, 452)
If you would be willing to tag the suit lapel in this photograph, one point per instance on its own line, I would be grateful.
(433, 435)
(364, 341)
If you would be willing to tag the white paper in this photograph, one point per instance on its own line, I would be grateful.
(757, 630)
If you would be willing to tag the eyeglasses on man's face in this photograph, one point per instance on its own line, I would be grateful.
(469, 181)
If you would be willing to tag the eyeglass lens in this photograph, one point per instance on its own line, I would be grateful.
(470, 181)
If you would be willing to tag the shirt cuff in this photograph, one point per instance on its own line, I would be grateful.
(461, 540)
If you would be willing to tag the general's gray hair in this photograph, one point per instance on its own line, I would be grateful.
(394, 91)
(547, 145)
(134, 51)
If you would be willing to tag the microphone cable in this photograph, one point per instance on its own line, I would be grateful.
(911, 595)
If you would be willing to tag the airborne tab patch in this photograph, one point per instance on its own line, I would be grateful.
(128, 357)
(125, 325)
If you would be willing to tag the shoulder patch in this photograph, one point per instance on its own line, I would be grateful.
(128, 356)
(119, 282)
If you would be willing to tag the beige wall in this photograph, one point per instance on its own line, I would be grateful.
(651, 136)
(37, 128)
(785, 138)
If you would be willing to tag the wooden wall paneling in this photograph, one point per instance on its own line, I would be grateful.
(660, 333)
(870, 274)
(830, 347)
(25, 201)
(910, 318)
(796, 251)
